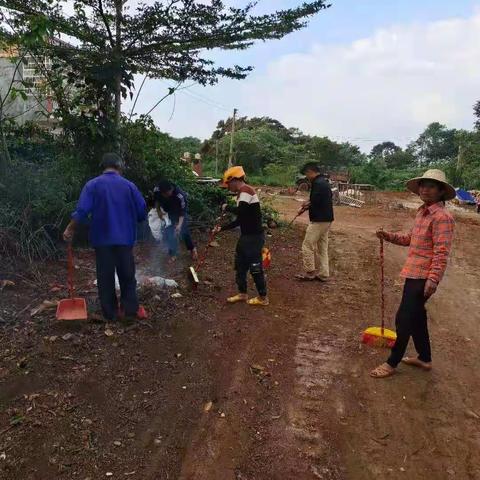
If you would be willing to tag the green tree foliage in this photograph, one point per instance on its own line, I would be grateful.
(476, 113)
(399, 160)
(333, 155)
(465, 169)
(392, 155)
(188, 144)
(384, 149)
(269, 150)
(256, 148)
(436, 144)
(244, 123)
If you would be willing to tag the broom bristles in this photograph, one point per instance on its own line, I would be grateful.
(377, 341)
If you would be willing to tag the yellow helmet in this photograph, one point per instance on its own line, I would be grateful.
(231, 173)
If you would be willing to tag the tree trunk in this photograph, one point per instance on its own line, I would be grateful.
(118, 74)
(5, 160)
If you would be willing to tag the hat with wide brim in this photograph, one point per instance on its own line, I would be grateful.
(433, 174)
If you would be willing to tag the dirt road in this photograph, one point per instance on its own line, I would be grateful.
(204, 391)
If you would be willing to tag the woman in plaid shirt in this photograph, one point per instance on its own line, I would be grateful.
(429, 244)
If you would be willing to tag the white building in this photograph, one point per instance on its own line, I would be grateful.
(35, 104)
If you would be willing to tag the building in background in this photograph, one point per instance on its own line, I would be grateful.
(28, 76)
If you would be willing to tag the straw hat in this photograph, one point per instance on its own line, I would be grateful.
(438, 176)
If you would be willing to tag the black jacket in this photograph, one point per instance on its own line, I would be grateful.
(321, 204)
(175, 206)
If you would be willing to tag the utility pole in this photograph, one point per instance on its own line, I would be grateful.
(232, 134)
(118, 74)
(216, 158)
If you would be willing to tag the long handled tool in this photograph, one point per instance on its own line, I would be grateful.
(193, 270)
(71, 308)
(294, 218)
(380, 336)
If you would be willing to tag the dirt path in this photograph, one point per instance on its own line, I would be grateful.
(204, 391)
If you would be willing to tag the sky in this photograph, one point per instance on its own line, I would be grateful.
(363, 71)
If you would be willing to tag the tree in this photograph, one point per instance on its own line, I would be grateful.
(107, 42)
(256, 148)
(333, 155)
(324, 151)
(224, 127)
(187, 144)
(476, 113)
(399, 160)
(384, 149)
(392, 155)
(464, 171)
(351, 155)
(436, 144)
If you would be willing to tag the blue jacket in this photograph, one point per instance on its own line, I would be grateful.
(114, 206)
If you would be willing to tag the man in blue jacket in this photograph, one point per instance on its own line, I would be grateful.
(114, 206)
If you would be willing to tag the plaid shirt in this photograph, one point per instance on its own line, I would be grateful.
(430, 242)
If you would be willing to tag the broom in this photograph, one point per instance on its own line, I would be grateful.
(380, 336)
(193, 270)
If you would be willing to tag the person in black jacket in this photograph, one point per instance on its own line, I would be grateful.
(169, 198)
(248, 253)
(320, 209)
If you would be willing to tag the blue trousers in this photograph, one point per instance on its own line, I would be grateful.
(117, 258)
(172, 239)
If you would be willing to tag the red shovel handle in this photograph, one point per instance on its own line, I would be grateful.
(382, 282)
(70, 269)
(211, 237)
(203, 257)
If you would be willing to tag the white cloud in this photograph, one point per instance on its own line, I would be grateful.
(385, 87)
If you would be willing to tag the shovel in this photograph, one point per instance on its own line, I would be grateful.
(71, 308)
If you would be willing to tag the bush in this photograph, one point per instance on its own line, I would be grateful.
(34, 201)
(152, 155)
(276, 175)
(381, 177)
(43, 183)
(269, 212)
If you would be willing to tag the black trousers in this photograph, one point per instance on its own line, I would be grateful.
(248, 258)
(411, 321)
(117, 258)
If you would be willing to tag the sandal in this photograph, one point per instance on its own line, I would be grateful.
(240, 297)
(382, 371)
(305, 278)
(415, 362)
(259, 301)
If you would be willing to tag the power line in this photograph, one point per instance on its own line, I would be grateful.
(204, 100)
(204, 97)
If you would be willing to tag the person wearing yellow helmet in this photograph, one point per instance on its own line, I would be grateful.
(248, 253)
(233, 173)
